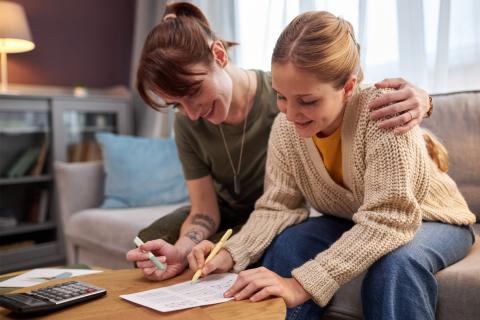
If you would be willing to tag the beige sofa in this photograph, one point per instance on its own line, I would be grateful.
(101, 237)
(95, 236)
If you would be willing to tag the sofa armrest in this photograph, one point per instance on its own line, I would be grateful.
(79, 186)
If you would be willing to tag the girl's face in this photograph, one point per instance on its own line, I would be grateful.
(213, 98)
(311, 105)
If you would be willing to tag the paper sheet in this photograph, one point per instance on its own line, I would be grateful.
(38, 276)
(208, 290)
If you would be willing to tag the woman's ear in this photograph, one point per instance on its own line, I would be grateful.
(349, 86)
(220, 53)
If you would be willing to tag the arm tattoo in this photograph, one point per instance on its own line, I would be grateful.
(195, 236)
(205, 221)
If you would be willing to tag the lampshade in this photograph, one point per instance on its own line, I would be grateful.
(15, 34)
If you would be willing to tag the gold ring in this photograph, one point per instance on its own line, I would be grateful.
(411, 116)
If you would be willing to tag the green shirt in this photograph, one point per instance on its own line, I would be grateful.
(202, 152)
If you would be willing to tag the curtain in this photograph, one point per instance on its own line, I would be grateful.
(434, 44)
(147, 122)
(222, 16)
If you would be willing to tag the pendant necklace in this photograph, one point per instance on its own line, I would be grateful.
(236, 172)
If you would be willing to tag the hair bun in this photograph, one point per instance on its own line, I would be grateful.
(185, 9)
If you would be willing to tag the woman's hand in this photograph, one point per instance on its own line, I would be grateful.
(222, 262)
(410, 102)
(165, 252)
(261, 283)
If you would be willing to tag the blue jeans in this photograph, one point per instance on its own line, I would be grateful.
(392, 281)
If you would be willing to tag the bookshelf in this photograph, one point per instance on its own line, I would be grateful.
(36, 129)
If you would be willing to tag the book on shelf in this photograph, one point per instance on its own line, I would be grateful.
(43, 206)
(24, 162)
(33, 207)
(38, 206)
(16, 245)
(75, 152)
(93, 151)
(85, 151)
(37, 169)
(7, 218)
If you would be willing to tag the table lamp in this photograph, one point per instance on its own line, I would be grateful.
(15, 35)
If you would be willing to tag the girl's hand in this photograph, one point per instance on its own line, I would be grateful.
(410, 102)
(222, 262)
(261, 283)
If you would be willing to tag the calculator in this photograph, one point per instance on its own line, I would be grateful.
(44, 300)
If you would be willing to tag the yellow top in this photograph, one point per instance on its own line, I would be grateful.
(330, 149)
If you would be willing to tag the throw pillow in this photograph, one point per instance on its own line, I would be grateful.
(141, 172)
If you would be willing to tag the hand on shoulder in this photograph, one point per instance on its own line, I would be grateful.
(408, 105)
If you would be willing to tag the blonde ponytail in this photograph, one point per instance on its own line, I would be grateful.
(436, 150)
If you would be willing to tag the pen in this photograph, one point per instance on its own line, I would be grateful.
(156, 262)
(213, 253)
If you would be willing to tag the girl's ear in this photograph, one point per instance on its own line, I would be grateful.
(220, 53)
(349, 86)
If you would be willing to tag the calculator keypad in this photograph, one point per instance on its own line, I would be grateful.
(52, 298)
(64, 291)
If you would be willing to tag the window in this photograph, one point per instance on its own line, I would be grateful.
(434, 44)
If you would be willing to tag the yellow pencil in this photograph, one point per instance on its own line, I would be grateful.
(213, 253)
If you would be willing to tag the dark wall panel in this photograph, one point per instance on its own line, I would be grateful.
(87, 42)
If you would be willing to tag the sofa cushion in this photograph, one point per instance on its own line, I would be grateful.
(476, 229)
(458, 291)
(347, 301)
(79, 185)
(113, 230)
(459, 287)
(141, 172)
(456, 121)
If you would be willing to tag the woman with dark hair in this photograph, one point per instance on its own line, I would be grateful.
(222, 126)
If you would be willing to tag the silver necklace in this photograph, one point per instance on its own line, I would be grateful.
(236, 173)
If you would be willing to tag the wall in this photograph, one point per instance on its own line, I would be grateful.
(87, 42)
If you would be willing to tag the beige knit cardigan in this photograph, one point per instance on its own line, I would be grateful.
(391, 185)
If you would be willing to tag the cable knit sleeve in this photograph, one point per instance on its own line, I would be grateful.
(395, 182)
(281, 205)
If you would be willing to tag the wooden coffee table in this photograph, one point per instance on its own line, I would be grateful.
(119, 282)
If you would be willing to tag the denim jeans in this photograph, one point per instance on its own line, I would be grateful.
(400, 285)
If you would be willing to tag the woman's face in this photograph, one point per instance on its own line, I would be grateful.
(311, 105)
(213, 98)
